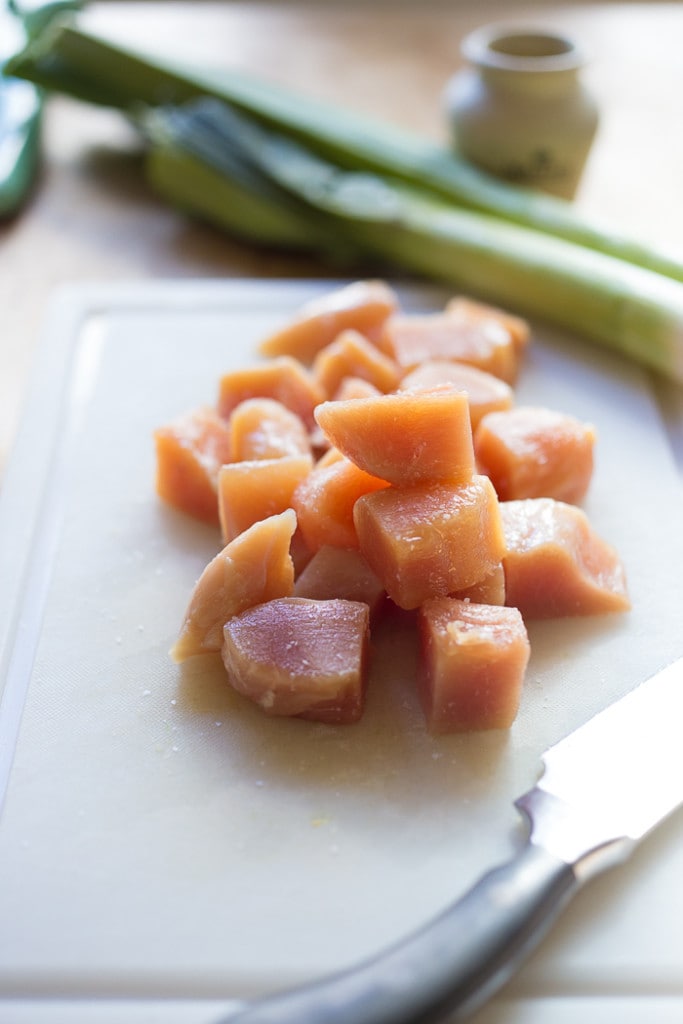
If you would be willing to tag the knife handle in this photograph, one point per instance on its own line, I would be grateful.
(451, 965)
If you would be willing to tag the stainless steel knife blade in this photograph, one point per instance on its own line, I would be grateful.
(613, 779)
(602, 789)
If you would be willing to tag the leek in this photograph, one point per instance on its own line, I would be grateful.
(631, 309)
(226, 191)
(68, 58)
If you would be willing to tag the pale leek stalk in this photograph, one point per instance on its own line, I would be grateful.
(225, 191)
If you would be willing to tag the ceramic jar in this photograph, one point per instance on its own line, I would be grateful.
(520, 110)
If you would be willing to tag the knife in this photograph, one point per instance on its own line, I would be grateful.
(603, 788)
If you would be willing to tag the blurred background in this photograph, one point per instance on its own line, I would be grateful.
(92, 216)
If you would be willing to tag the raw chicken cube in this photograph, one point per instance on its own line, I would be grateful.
(300, 657)
(472, 661)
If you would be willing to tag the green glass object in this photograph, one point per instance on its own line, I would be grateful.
(20, 101)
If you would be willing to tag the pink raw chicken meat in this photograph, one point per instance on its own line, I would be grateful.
(406, 438)
(473, 658)
(255, 567)
(485, 393)
(300, 657)
(340, 572)
(263, 428)
(361, 306)
(432, 540)
(556, 564)
(534, 452)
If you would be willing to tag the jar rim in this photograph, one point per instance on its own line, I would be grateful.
(522, 48)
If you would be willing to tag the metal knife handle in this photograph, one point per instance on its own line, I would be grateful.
(451, 965)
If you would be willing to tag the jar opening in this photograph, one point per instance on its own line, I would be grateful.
(521, 49)
(531, 45)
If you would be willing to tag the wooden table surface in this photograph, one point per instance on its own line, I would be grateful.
(93, 218)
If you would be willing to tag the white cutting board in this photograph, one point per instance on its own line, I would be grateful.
(163, 846)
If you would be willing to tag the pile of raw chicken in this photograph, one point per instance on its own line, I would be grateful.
(373, 458)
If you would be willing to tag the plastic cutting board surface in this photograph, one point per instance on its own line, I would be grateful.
(162, 843)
